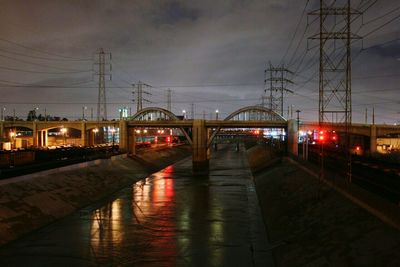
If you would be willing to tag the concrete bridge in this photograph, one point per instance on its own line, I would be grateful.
(199, 133)
(40, 129)
(372, 131)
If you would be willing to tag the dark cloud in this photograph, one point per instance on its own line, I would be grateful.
(184, 43)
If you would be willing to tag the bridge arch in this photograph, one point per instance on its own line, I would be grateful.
(153, 114)
(255, 113)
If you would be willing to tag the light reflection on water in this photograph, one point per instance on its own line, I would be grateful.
(168, 219)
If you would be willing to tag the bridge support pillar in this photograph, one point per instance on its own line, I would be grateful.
(199, 147)
(292, 137)
(84, 140)
(123, 136)
(372, 142)
(35, 135)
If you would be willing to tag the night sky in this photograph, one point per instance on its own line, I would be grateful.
(211, 53)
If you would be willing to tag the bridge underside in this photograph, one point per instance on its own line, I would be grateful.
(203, 132)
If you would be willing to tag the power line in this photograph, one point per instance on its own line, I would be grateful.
(42, 72)
(45, 52)
(38, 64)
(295, 32)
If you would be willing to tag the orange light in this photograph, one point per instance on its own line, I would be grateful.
(358, 148)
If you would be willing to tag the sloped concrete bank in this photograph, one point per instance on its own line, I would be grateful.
(30, 202)
(311, 224)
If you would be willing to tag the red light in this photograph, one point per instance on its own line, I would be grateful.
(358, 148)
(168, 139)
(334, 137)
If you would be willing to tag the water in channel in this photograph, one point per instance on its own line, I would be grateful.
(168, 219)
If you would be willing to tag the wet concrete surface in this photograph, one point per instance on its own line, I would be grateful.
(169, 219)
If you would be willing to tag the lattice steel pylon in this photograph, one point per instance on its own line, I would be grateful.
(275, 86)
(138, 89)
(102, 73)
(335, 18)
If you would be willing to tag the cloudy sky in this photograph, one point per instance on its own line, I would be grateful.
(210, 53)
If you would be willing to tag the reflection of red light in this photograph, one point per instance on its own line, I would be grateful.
(169, 189)
(169, 169)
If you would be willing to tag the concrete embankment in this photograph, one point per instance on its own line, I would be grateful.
(32, 201)
(311, 224)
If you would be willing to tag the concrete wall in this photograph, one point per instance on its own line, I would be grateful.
(32, 201)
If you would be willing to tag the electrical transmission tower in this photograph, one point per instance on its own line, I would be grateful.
(102, 59)
(277, 78)
(138, 90)
(335, 62)
(335, 19)
(169, 94)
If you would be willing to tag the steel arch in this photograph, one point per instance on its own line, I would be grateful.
(255, 113)
(154, 113)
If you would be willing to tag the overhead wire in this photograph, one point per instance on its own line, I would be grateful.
(44, 52)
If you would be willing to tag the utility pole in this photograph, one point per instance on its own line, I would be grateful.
(192, 111)
(277, 78)
(335, 65)
(103, 59)
(373, 115)
(138, 90)
(169, 94)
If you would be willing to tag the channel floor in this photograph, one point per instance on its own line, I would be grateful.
(170, 218)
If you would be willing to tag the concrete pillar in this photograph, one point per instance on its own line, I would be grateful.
(45, 136)
(123, 136)
(199, 147)
(292, 138)
(83, 135)
(35, 135)
(372, 142)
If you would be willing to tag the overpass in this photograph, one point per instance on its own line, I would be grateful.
(202, 131)
(373, 131)
(40, 129)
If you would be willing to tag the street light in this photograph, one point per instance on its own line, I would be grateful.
(63, 131)
(36, 116)
(83, 112)
(184, 114)
(2, 113)
(216, 114)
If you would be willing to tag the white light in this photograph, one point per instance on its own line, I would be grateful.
(145, 131)
(216, 111)
(138, 131)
